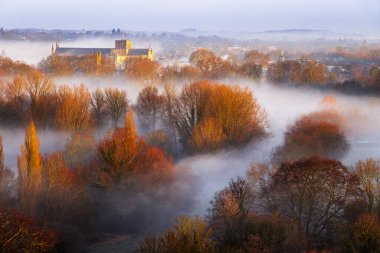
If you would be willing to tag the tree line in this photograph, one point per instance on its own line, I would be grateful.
(196, 118)
(205, 64)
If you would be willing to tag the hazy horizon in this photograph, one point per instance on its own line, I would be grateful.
(351, 16)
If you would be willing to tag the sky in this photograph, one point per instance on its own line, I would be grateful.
(348, 16)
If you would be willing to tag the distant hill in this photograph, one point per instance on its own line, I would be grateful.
(188, 30)
(297, 31)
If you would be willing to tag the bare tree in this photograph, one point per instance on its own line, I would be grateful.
(170, 112)
(149, 106)
(15, 91)
(313, 192)
(368, 172)
(117, 103)
(39, 88)
(228, 215)
(192, 107)
(98, 104)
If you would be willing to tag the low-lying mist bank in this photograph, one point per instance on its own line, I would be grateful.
(13, 138)
(283, 106)
(212, 171)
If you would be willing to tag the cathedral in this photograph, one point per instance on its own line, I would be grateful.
(122, 52)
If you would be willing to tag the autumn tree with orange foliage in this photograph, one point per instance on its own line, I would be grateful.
(12, 100)
(15, 93)
(185, 73)
(331, 116)
(189, 73)
(207, 135)
(203, 59)
(170, 73)
(223, 115)
(86, 64)
(310, 135)
(29, 170)
(61, 65)
(252, 64)
(73, 112)
(211, 65)
(142, 69)
(239, 114)
(313, 72)
(106, 66)
(118, 151)
(285, 72)
(62, 195)
(302, 71)
(256, 57)
(123, 156)
(80, 149)
(57, 65)
(8, 67)
(251, 70)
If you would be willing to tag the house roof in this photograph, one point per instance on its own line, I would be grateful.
(138, 51)
(104, 51)
(82, 51)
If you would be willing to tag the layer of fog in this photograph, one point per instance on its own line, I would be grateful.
(50, 141)
(92, 83)
(213, 171)
(29, 52)
(283, 106)
(286, 35)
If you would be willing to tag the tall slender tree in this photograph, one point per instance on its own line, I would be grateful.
(29, 166)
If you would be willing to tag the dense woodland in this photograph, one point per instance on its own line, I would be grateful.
(304, 200)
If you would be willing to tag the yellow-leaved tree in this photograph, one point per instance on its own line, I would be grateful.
(29, 168)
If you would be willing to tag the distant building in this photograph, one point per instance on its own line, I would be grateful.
(122, 52)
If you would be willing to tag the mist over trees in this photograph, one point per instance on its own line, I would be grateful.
(118, 176)
(202, 116)
(315, 134)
